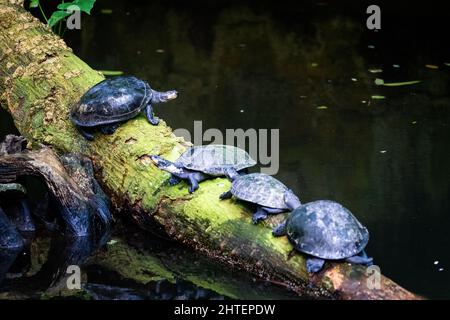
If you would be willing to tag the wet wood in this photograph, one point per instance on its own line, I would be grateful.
(69, 180)
(41, 78)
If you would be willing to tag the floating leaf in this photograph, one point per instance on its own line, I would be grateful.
(380, 82)
(56, 17)
(375, 70)
(111, 72)
(322, 107)
(34, 3)
(398, 84)
(431, 66)
(376, 97)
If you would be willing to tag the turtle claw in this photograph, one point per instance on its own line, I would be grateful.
(109, 129)
(314, 265)
(150, 116)
(174, 181)
(154, 121)
(225, 195)
(192, 189)
(259, 215)
(87, 135)
(361, 258)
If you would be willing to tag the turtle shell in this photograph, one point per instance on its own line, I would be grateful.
(261, 189)
(215, 159)
(327, 230)
(112, 100)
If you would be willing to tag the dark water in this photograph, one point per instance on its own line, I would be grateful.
(271, 66)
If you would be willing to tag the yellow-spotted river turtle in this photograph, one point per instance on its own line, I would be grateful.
(113, 101)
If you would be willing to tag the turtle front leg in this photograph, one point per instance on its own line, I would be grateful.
(174, 180)
(314, 265)
(279, 230)
(226, 195)
(259, 215)
(361, 258)
(194, 178)
(150, 116)
(193, 183)
(85, 133)
(231, 173)
(110, 128)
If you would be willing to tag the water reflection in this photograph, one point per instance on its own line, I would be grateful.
(137, 267)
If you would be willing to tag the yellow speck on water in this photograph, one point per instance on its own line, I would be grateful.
(414, 122)
(431, 66)
(322, 107)
(375, 70)
(314, 64)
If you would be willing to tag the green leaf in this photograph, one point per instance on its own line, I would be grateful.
(111, 72)
(56, 17)
(379, 82)
(34, 3)
(83, 5)
(376, 97)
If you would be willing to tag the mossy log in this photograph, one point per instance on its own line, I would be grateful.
(40, 78)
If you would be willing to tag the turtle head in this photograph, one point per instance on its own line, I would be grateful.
(291, 200)
(164, 96)
(165, 165)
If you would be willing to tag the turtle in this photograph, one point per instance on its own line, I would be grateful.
(269, 194)
(203, 162)
(113, 101)
(325, 230)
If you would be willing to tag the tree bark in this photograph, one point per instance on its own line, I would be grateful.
(40, 80)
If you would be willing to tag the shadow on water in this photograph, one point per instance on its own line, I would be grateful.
(269, 66)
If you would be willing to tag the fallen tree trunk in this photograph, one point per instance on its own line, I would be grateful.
(41, 78)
